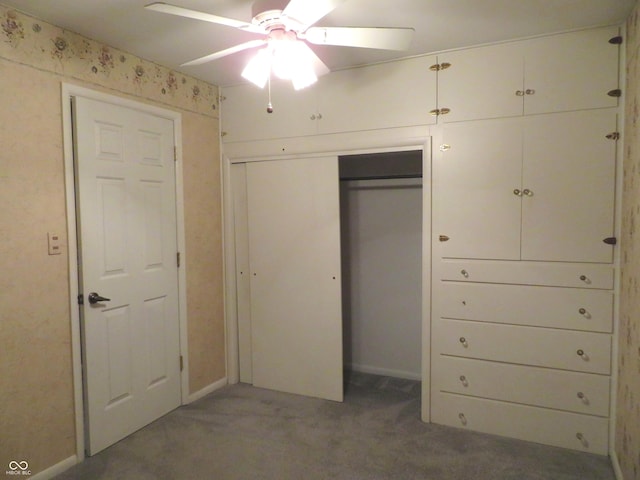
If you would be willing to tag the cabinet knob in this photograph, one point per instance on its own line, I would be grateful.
(313, 116)
(464, 381)
(582, 311)
(519, 93)
(585, 279)
(529, 91)
(462, 418)
(582, 354)
(463, 341)
(319, 117)
(464, 273)
(583, 397)
(517, 192)
(527, 192)
(583, 440)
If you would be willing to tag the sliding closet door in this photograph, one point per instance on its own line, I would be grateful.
(294, 249)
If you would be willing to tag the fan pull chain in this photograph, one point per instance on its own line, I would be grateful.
(269, 106)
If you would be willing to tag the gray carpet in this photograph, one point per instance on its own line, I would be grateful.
(242, 432)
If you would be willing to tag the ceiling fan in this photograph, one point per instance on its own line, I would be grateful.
(287, 29)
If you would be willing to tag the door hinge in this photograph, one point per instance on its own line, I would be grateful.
(178, 259)
(615, 92)
(613, 136)
(616, 40)
(610, 240)
(81, 299)
(181, 363)
(436, 67)
(439, 111)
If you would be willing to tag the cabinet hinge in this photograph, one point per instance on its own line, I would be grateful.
(439, 111)
(178, 259)
(221, 98)
(181, 363)
(223, 134)
(436, 67)
(175, 154)
(615, 92)
(610, 240)
(443, 238)
(616, 40)
(614, 136)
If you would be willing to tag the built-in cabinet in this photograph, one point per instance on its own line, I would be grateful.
(523, 177)
(369, 98)
(523, 233)
(572, 71)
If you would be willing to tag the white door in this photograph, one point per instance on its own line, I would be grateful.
(125, 176)
(294, 248)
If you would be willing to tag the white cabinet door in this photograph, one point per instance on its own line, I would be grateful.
(395, 94)
(572, 71)
(569, 173)
(558, 73)
(245, 117)
(481, 83)
(294, 248)
(474, 177)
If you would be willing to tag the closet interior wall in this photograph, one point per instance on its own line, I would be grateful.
(381, 230)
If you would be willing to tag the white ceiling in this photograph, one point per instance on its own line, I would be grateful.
(439, 25)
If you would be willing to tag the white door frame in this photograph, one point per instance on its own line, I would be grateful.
(69, 91)
(354, 143)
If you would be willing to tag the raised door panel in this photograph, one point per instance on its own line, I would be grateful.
(543, 347)
(544, 387)
(542, 425)
(568, 308)
(481, 83)
(572, 71)
(569, 172)
(245, 116)
(475, 174)
(395, 94)
(294, 251)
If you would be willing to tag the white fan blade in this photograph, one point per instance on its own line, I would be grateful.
(363, 37)
(224, 53)
(207, 17)
(308, 12)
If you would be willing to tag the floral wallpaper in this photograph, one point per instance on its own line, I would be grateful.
(27, 40)
(627, 444)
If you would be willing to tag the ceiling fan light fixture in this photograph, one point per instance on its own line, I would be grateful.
(258, 69)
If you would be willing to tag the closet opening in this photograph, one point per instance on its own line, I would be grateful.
(381, 248)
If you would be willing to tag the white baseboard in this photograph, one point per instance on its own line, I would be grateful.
(56, 469)
(616, 465)
(356, 367)
(207, 390)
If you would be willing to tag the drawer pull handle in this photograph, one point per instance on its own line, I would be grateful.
(463, 341)
(583, 397)
(585, 279)
(464, 273)
(584, 313)
(462, 418)
(583, 440)
(464, 381)
(583, 355)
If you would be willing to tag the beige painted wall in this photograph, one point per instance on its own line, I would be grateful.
(628, 396)
(36, 388)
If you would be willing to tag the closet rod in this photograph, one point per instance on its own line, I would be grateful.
(381, 177)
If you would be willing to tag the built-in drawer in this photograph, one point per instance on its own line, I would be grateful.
(554, 274)
(543, 347)
(550, 427)
(570, 308)
(586, 393)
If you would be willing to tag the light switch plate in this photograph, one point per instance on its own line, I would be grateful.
(54, 244)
